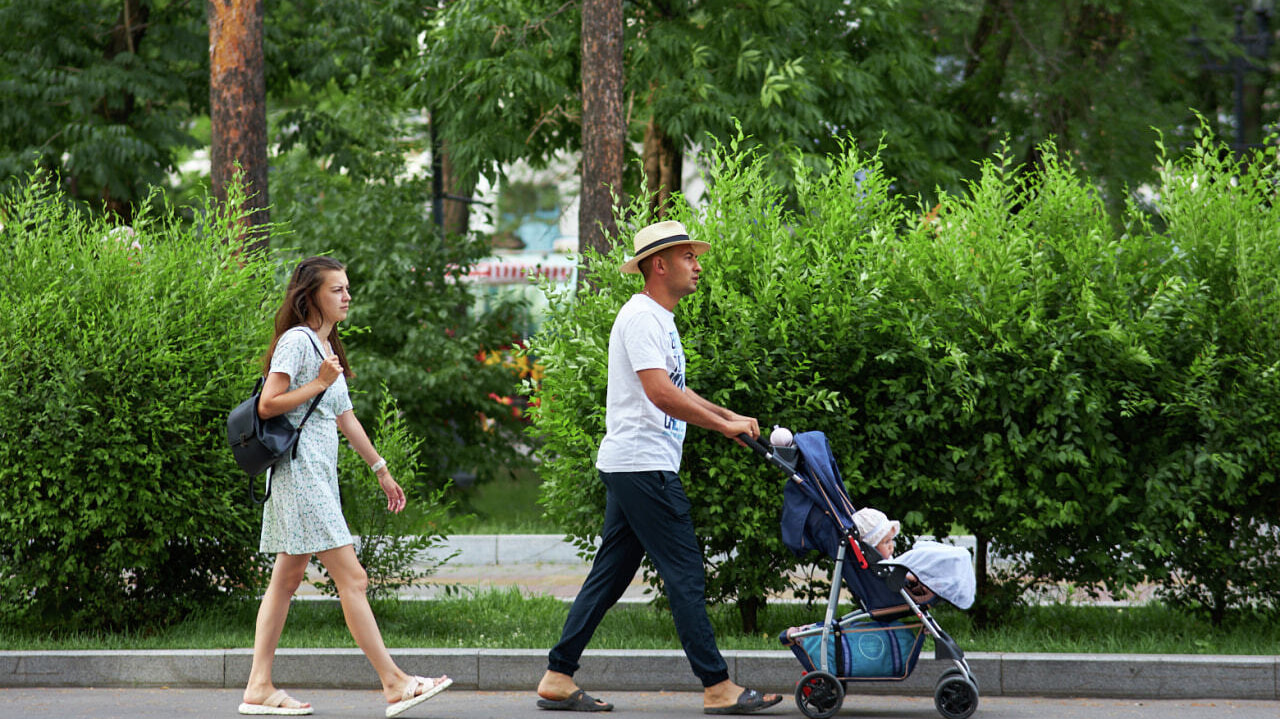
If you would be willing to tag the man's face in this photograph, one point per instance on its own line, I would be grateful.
(682, 270)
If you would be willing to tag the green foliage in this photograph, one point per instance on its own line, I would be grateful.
(799, 75)
(390, 544)
(413, 323)
(1093, 399)
(123, 351)
(1210, 492)
(104, 108)
(1095, 77)
(336, 70)
(503, 80)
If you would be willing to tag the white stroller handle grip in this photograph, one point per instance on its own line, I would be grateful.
(772, 457)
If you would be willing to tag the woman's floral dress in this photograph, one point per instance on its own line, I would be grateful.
(304, 514)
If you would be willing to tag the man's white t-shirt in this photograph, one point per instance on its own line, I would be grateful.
(639, 437)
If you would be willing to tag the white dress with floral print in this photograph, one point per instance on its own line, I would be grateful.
(304, 514)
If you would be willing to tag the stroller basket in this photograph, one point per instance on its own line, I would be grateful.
(864, 650)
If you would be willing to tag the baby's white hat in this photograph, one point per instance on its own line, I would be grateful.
(874, 526)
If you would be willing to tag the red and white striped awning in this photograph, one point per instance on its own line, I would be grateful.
(496, 272)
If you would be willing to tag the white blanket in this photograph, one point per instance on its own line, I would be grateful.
(945, 569)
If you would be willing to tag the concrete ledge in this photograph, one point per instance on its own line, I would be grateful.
(159, 668)
(1138, 676)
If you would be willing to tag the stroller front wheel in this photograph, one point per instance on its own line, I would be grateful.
(819, 695)
(955, 696)
(957, 673)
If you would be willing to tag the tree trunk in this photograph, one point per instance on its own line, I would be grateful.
(663, 168)
(978, 96)
(238, 110)
(457, 192)
(749, 613)
(125, 37)
(983, 612)
(604, 131)
(1090, 42)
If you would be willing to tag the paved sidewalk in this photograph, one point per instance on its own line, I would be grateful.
(463, 704)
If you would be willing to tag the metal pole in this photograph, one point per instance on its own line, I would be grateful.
(437, 177)
(1240, 66)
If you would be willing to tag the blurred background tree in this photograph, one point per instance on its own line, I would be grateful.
(112, 95)
(100, 93)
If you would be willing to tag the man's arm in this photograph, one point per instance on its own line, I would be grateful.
(712, 406)
(686, 405)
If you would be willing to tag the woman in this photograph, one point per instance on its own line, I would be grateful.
(304, 516)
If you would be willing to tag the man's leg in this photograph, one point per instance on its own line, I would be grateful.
(662, 522)
(658, 512)
(611, 573)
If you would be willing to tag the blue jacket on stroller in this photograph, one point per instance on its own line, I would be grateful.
(817, 515)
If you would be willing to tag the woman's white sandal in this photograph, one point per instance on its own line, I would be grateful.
(411, 699)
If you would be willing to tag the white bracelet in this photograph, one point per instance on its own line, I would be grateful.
(377, 465)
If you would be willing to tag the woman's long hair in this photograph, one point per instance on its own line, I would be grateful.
(299, 307)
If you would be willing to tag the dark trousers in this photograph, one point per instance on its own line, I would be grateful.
(646, 512)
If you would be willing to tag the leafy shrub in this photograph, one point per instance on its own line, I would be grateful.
(122, 351)
(1206, 506)
(389, 544)
(1087, 394)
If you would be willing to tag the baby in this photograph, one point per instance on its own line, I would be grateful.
(881, 532)
(877, 530)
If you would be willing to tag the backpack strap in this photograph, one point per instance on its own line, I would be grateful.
(314, 403)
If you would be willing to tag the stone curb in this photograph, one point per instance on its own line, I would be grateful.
(1137, 676)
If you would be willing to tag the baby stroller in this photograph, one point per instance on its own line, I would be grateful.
(873, 644)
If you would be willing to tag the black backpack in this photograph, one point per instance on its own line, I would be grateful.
(257, 443)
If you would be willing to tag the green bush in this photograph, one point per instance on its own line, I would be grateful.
(1206, 506)
(120, 504)
(1087, 394)
(389, 545)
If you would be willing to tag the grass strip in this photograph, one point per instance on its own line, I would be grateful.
(507, 619)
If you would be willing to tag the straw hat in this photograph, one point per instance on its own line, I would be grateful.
(874, 526)
(658, 237)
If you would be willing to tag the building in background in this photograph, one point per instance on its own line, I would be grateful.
(531, 218)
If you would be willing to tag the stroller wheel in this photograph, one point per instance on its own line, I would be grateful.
(957, 673)
(819, 695)
(955, 696)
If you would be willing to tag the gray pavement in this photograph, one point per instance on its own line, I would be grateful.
(546, 565)
(463, 704)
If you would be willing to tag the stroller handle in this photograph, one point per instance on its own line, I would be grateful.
(771, 456)
(754, 444)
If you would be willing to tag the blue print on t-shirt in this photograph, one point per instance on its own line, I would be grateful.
(671, 425)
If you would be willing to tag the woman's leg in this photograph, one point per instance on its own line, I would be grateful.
(286, 575)
(341, 564)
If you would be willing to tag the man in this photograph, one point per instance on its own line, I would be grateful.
(646, 511)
